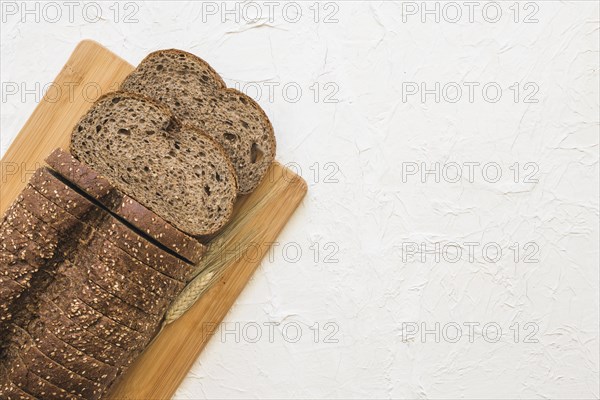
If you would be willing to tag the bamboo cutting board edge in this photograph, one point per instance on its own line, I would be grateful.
(259, 217)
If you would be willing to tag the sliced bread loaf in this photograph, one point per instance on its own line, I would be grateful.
(106, 276)
(81, 312)
(65, 354)
(20, 258)
(10, 391)
(62, 195)
(71, 275)
(38, 363)
(153, 280)
(61, 221)
(197, 95)
(176, 171)
(30, 383)
(74, 332)
(101, 272)
(100, 188)
(31, 227)
(13, 263)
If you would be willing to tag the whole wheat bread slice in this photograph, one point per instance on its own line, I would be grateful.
(20, 258)
(71, 276)
(100, 188)
(176, 171)
(105, 274)
(122, 293)
(31, 227)
(197, 95)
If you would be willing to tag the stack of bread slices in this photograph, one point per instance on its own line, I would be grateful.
(104, 238)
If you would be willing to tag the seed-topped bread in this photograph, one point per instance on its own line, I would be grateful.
(64, 293)
(9, 390)
(53, 372)
(175, 170)
(63, 353)
(20, 258)
(197, 95)
(65, 198)
(73, 330)
(112, 271)
(100, 188)
(70, 276)
(30, 383)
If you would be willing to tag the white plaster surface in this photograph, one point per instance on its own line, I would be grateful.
(370, 299)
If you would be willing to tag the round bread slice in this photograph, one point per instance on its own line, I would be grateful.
(176, 171)
(197, 95)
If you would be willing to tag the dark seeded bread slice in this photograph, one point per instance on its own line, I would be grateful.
(101, 273)
(49, 213)
(51, 187)
(144, 251)
(121, 204)
(176, 171)
(20, 258)
(13, 267)
(75, 331)
(58, 219)
(197, 95)
(22, 248)
(126, 291)
(67, 355)
(76, 303)
(9, 390)
(156, 282)
(41, 365)
(29, 382)
(105, 274)
(105, 303)
(31, 227)
(10, 291)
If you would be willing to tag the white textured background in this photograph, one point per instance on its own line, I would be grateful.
(360, 287)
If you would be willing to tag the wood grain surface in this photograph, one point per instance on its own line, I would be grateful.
(91, 71)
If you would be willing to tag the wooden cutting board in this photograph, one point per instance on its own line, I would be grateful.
(91, 71)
